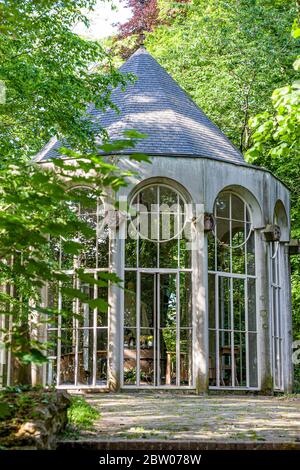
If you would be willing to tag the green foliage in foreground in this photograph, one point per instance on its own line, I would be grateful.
(81, 414)
(51, 76)
(37, 209)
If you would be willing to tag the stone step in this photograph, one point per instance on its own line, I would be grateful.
(167, 445)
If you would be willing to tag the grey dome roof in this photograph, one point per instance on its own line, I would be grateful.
(156, 105)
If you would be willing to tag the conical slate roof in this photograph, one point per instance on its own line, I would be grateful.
(156, 105)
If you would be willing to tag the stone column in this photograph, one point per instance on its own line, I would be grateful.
(115, 300)
(264, 313)
(200, 320)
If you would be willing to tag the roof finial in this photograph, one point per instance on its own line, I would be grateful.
(143, 27)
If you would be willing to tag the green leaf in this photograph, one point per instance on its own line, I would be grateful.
(100, 304)
(133, 134)
(5, 410)
(34, 356)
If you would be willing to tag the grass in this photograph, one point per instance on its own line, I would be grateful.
(81, 414)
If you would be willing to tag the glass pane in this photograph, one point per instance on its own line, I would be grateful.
(86, 313)
(148, 198)
(223, 258)
(168, 197)
(238, 233)
(67, 359)
(88, 255)
(167, 356)
(130, 356)
(103, 247)
(102, 317)
(224, 303)
(147, 307)
(101, 366)
(238, 260)
(225, 359)
(237, 208)
(53, 291)
(222, 205)
(253, 380)
(130, 299)
(169, 226)
(211, 251)
(240, 359)
(251, 305)
(51, 372)
(147, 254)
(52, 342)
(168, 254)
(85, 356)
(212, 359)
(186, 299)
(251, 255)
(130, 252)
(146, 356)
(68, 306)
(211, 301)
(168, 300)
(185, 356)
(185, 253)
(239, 304)
(223, 231)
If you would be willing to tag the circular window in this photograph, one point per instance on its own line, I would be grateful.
(158, 214)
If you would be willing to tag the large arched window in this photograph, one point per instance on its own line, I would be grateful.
(157, 334)
(79, 334)
(232, 295)
(275, 251)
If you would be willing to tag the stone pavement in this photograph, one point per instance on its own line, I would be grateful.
(187, 417)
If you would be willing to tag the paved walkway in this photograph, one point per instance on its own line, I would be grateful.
(187, 417)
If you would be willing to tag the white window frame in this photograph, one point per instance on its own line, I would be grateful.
(157, 271)
(76, 309)
(229, 275)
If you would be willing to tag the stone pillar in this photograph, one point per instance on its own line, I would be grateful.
(263, 316)
(200, 320)
(115, 300)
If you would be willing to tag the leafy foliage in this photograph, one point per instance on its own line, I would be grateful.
(146, 16)
(276, 145)
(51, 76)
(38, 205)
(228, 56)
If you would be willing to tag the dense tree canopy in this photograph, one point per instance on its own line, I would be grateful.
(50, 74)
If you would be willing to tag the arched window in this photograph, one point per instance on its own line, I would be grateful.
(276, 294)
(232, 295)
(157, 332)
(79, 335)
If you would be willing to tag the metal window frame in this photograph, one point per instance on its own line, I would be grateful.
(157, 271)
(275, 317)
(76, 328)
(231, 276)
